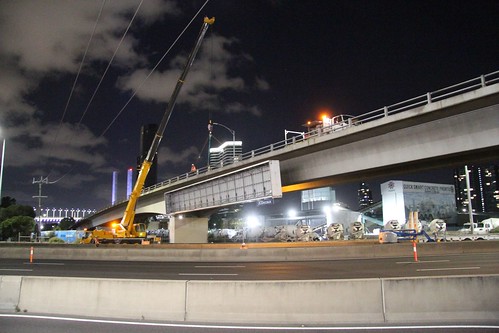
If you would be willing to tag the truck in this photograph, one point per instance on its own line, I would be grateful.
(127, 231)
(481, 231)
(486, 226)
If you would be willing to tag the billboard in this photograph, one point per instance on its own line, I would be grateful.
(430, 200)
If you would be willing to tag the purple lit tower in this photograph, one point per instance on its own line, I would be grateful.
(115, 186)
(129, 182)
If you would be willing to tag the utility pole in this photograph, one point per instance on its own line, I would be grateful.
(210, 129)
(40, 196)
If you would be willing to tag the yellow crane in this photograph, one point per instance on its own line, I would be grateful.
(127, 230)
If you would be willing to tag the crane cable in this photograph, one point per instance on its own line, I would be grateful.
(153, 69)
(208, 138)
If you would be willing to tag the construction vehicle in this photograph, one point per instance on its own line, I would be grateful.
(118, 234)
(356, 230)
(335, 231)
(127, 231)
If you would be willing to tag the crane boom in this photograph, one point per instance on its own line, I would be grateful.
(129, 215)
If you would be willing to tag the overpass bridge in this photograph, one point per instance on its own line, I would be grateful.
(447, 127)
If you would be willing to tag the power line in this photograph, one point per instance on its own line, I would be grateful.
(110, 61)
(76, 78)
(42, 180)
(103, 75)
(81, 63)
(154, 68)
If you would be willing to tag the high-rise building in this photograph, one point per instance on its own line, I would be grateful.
(227, 153)
(484, 189)
(365, 196)
(317, 198)
(147, 133)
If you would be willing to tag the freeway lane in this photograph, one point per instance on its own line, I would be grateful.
(40, 324)
(448, 265)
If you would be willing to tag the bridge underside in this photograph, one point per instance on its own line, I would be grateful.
(489, 155)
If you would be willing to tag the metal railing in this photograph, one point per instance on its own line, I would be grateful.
(430, 97)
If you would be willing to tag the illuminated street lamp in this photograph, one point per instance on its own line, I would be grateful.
(233, 140)
(251, 222)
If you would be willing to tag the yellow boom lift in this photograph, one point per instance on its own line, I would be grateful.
(127, 231)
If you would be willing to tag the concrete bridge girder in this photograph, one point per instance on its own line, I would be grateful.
(428, 144)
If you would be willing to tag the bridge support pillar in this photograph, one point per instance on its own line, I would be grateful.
(190, 229)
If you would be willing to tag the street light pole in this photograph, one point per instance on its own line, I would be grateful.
(1, 168)
(468, 191)
(233, 140)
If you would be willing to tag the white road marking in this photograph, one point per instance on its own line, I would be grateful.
(221, 266)
(207, 274)
(256, 327)
(422, 261)
(16, 269)
(446, 269)
(45, 263)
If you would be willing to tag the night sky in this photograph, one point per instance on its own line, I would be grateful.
(264, 66)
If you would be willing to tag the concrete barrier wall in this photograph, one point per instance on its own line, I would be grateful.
(445, 298)
(109, 298)
(394, 300)
(232, 252)
(10, 289)
(291, 302)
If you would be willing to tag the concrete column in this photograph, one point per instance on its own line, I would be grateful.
(186, 229)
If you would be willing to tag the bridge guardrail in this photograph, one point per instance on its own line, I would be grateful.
(386, 111)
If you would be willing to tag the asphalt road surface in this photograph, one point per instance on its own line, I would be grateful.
(448, 265)
(45, 324)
